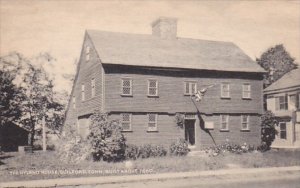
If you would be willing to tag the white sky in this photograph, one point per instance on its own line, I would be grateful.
(58, 27)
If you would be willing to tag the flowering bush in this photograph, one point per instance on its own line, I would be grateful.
(146, 151)
(73, 149)
(179, 148)
(229, 148)
(107, 141)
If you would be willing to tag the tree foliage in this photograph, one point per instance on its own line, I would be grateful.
(107, 140)
(38, 98)
(277, 62)
(268, 131)
(10, 98)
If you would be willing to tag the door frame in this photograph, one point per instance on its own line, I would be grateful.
(191, 117)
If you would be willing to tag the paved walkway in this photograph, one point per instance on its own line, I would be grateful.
(147, 177)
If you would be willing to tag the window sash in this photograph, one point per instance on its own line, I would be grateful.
(282, 127)
(126, 121)
(93, 87)
(152, 87)
(74, 102)
(152, 122)
(225, 90)
(126, 86)
(190, 87)
(246, 91)
(282, 102)
(224, 122)
(245, 122)
(82, 92)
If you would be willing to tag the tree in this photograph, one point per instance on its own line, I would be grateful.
(268, 131)
(10, 98)
(39, 99)
(277, 62)
(38, 102)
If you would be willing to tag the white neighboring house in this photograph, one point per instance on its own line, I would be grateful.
(283, 99)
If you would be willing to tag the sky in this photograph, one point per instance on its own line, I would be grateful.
(58, 26)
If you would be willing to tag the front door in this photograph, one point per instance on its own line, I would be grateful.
(189, 130)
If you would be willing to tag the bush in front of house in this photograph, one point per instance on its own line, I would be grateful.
(268, 131)
(106, 138)
(229, 148)
(134, 152)
(72, 149)
(179, 148)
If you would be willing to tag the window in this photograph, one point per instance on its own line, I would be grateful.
(281, 103)
(224, 122)
(245, 122)
(93, 87)
(152, 122)
(282, 130)
(87, 53)
(292, 102)
(82, 92)
(190, 88)
(126, 86)
(225, 90)
(126, 121)
(152, 88)
(74, 102)
(246, 91)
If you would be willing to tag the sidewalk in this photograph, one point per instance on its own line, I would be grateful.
(147, 177)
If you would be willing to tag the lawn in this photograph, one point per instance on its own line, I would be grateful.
(39, 165)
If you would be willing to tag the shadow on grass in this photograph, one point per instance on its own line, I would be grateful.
(4, 157)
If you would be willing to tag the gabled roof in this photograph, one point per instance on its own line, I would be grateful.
(152, 51)
(289, 80)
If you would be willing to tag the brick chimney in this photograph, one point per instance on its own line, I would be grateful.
(165, 28)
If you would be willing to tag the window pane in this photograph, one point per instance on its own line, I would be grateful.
(126, 83)
(187, 88)
(282, 126)
(126, 90)
(125, 117)
(152, 124)
(152, 83)
(152, 117)
(126, 126)
(152, 91)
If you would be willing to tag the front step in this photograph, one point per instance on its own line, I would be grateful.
(197, 153)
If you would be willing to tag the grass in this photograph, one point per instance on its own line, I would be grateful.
(11, 164)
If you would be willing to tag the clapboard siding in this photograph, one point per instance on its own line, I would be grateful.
(235, 134)
(167, 132)
(171, 93)
(86, 72)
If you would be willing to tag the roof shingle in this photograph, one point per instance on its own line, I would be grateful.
(148, 50)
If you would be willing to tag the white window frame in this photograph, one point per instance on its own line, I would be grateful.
(222, 122)
(122, 86)
(280, 131)
(190, 84)
(93, 87)
(278, 103)
(87, 53)
(156, 88)
(74, 102)
(129, 122)
(246, 91)
(82, 92)
(223, 92)
(150, 128)
(245, 122)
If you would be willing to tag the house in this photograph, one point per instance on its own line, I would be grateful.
(145, 80)
(12, 136)
(283, 99)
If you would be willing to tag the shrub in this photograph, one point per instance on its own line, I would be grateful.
(146, 151)
(268, 131)
(179, 148)
(73, 149)
(107, 141)
(132, 152)
(229, 148)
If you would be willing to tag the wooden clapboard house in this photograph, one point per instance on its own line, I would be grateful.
(145, 80)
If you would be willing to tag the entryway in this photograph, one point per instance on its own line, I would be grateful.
(189, 132)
